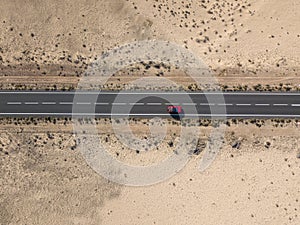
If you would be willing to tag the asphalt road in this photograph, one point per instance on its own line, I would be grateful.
(150, 104)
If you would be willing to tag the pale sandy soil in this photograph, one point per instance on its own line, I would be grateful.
(51, 43)
(45, 180)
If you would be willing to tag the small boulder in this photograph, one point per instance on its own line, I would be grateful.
(267, 144)
(236, 144)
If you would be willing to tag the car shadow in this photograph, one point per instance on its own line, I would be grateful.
(177, 116)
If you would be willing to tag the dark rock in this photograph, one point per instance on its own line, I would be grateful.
(236, 144)
(195, 152)
(267, 144)
(199, 148)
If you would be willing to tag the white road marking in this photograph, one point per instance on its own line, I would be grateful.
(191, 115)
(172, 104)
(48, 103)
(118, 103)
(149, 93)
(243, 104)
(101, 103)
(13, 103)
(280, 104)
(225, 104)
(31, 103)
(153, 103)
(296, 105)
(137, 103)
(66, 103)
(83, 103)
(209, 104)
(262, 104)
(189, 104)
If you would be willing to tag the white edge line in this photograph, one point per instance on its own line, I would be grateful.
(158, 93)
(122, 114)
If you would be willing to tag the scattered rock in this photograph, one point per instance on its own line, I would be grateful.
(195, 152)
(267, 144)
(199, 148)
(236, 144)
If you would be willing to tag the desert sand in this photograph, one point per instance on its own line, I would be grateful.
(44, 178)
(45, 42)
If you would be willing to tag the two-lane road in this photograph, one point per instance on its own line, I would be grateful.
(143, 104)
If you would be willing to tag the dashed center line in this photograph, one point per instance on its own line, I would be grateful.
(48, 103)
(225, 104)
(31, 103)
(262, 104)
(207, 104)
(13, 103)
(243, 104)
(137, 103)
(189, 104)
(280, 104)
(118, 103)
(83, 103)
(153, 103)
(101, 103)
(66, 103)
(172, 104)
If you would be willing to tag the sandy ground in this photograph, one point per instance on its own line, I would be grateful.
(50, 44)
(45, 179)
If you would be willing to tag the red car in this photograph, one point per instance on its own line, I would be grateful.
(174, 109)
